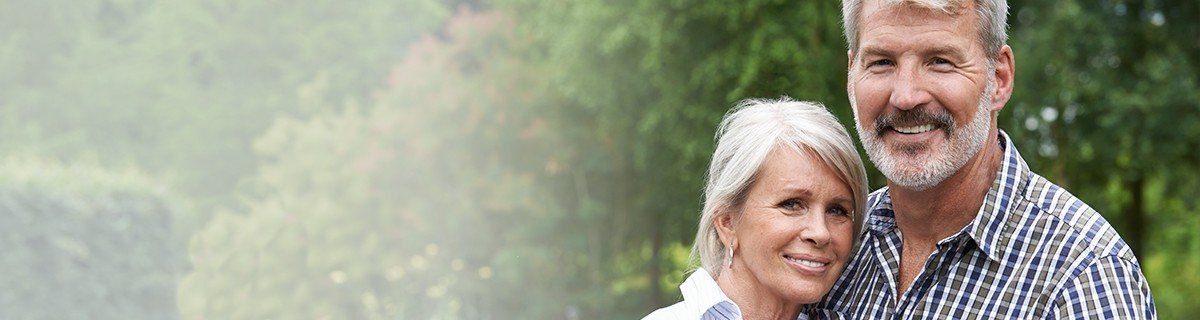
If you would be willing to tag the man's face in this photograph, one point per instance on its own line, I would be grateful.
(920, 86)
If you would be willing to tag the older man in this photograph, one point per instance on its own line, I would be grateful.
(964, 229)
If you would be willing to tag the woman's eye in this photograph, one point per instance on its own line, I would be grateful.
(838, 211)
(791, 204)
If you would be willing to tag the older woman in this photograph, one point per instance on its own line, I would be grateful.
(782, 207)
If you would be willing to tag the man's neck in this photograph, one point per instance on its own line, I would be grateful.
(928, 216)
(753, 299)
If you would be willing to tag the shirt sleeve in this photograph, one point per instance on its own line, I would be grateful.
(1109, 288)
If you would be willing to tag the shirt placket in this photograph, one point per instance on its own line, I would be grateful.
(936, 266)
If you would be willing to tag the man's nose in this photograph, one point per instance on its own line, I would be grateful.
(908, 90)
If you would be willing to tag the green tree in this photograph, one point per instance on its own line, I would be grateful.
(1114, 117)
(81, 242)
(181, 88)
(652, 79)
(431, 202)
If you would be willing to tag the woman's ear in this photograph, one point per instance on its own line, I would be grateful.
(724, 223)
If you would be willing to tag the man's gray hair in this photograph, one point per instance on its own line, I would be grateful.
(746, 137)
(993, 20)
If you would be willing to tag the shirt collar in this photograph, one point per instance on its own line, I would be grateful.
(994, 221)
(701, 295)
(991, 225)
(881, 219)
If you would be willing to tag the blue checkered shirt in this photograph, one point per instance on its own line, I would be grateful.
(1032, 251)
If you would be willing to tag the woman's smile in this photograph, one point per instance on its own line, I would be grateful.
(808, 264)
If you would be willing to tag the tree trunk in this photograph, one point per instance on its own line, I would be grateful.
(656, 242)
(1135, 215)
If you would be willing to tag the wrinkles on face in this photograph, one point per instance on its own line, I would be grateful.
(906, 50)
(911, 37)
(798, 207)
(920, 55)
(917, 76)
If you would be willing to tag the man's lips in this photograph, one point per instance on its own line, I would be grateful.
(915, 129)
(915, 121)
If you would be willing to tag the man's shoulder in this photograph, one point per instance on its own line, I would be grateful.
(1106, 271)
(1080, 223)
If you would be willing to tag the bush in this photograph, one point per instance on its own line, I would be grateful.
(81, 242)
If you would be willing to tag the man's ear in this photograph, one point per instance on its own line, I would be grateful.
(849, 61)
(1005, 73)
(849, 68)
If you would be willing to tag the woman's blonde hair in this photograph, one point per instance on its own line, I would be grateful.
(747, 135)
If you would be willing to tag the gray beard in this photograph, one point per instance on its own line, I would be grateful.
(917, 167)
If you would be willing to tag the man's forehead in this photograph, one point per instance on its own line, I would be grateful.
(884, 13)
(952, 7)
(913, 12)
(889, 26)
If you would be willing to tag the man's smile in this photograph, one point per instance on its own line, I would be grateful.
(914, 129)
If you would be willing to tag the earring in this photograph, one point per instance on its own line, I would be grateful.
(729, 257)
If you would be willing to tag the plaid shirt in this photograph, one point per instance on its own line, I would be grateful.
(1032, 251)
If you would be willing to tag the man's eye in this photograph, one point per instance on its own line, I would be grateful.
(938, 61)
(880, 63)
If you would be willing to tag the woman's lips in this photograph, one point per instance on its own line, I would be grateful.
(808, 264)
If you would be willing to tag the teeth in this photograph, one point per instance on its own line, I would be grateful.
(808, 263)
(915, 129)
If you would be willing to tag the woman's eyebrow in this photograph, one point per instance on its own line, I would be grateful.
(843, 201)
(800, 190)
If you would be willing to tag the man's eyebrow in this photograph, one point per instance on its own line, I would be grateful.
(950, 51)
(874, 51)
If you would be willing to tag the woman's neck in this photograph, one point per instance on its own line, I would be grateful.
(755, 300)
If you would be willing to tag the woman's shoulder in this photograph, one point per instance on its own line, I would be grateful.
(701, 295)
(672, 312)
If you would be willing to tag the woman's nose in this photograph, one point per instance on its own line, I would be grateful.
(814, 230)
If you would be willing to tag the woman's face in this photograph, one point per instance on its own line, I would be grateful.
(794, 231)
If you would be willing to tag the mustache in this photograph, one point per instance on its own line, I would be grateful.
(914, 117)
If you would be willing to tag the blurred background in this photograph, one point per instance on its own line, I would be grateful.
(475, 159)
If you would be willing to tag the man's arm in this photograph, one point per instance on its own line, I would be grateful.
(1109, 288)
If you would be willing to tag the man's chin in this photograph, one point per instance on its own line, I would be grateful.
(910, 154)
(911, 172)
(913, 181)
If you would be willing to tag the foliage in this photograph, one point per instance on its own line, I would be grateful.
(173, 85)
(625, 95)
(82, 242)
(1115, 118)
(511, 159)
(648, 81)
(425, 205)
